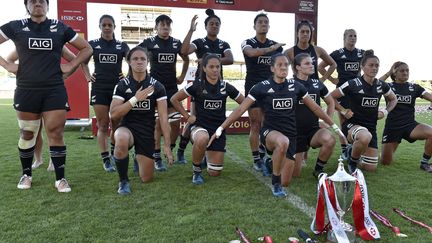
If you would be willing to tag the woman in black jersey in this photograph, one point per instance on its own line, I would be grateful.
(364, 94)
(278, 98)
(257, 52)
(163, 50)
(40, 91)
(108, 54)
(348, 67)
(304, 30)
(400, 123)
(210, 93)
(135, 100)
(309, 133)
(210, 44)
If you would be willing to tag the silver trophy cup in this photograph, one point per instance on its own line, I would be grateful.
(344, 185)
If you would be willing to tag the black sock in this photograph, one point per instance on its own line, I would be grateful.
(183, 143)
(105, 156)
(425, 159)
(255, 156)
(354, 161)
(157, 154)
(26, 158)
(172, 146)
(319, 166)
(58, 157)
(276, 179)
(122, 167)
(112, 149)
(343, 148)
(262, 150)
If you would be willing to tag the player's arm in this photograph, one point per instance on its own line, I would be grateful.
(228, 58)
(85, 51)
(175, 101)
(328, 60)
(322, 70)
(187, 48)
(255, 52)
(336, 94)
(391, 104)
(185, 68)
(165, 127)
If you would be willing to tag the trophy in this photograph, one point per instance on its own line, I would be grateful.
(344, 187)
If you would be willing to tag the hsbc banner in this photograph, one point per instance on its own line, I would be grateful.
(287, 6)
(74, 14)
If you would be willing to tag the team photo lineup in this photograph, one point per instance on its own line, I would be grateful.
(139, 113)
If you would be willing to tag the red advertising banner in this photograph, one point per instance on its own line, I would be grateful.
(74, 14)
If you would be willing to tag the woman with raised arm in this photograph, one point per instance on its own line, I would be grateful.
(278, 98)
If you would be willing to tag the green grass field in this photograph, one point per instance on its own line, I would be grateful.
(171, 209)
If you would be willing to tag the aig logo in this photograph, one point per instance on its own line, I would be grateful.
(107, 58)
(166, 57)
(40, 44)
(142, 106)
(212, 104)
(351, 66)
(313, 96)
(264, 60)
(282, 104)
(403, 99)
(369, 102)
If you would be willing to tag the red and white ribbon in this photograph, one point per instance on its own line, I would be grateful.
(387, 223)
(402, 214)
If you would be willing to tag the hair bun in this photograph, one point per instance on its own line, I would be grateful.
(210, 12)
(369, 53)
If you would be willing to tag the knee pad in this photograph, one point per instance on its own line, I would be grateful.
(215, 167)
(175, 116)
(29, 126)
(195, 130)
(369, 160)
(356, 131)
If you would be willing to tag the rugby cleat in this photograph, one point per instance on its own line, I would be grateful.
(278, 190)
(159, 165)
(36, 164)
(62, 185)
(426, 167)
(180, 157)
(107, 165)
(124, 188)
(197, 179)
(258, 165)
(25, 182)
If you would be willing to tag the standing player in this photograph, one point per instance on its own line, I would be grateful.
(309, 133)
(364, 94)
(278, 98)
(210, 94)
(401, 123)
(134, 102)
(210, 44)
(304, 30)
(163, 50)
(108, 54)
(40, 91)
(257, 52)
(348, 67)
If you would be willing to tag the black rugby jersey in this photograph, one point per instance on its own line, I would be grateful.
(163, 59)
(311, 51)
(205, 45)
(279, 102)
(348, 63)
(258, 68)
(364, 100)
(210, 102)
(108, 57)
(404, 112)
(305, 118)
(39, 48)
(141, 116)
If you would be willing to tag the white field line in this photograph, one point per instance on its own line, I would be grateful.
(295, 200)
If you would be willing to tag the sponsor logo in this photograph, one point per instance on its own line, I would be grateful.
(343, 57)
(369, 102)
(142, 106)
(72, 18)
(98, 47)
(212, 104)
(156, 46)
(266, 60)
(197, 1)
(226, 2)
(290, 87)
(107, 58)
(26, 29)
(351, 66)
(118, 46)
(270, 90)
(175, 45)
(313, 96)
(128, 91)
(361, 91)
(40, 44)
(166, 57)
(282, 104)
(93, 98)
(403, 99)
